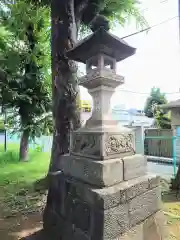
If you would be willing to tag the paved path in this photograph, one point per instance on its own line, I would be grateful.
(163, 170)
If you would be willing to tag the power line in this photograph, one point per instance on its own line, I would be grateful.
(148, 28)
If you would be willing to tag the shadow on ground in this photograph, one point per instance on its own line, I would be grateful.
(15, 228)
(21, 214)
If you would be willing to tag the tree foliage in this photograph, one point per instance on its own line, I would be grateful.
(152, 109)
(163, 119)
(155, 98)
(118, 11)
(25, 67)
(67, 17)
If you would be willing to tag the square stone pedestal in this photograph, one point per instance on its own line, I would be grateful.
(117, 209)
(150, 229)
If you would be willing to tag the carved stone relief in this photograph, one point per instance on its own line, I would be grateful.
(120, 143)
(87, 144)
(103, 73)
(95, 73)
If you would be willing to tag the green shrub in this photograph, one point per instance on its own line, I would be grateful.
(11, 156)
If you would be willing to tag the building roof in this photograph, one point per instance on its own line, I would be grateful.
(172, 104)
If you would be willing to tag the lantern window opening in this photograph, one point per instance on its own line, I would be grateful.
(101, 61)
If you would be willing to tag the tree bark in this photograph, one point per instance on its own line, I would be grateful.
(175, 183)
(24, 146)
(177, 179)
(65, 91)
(64, 77)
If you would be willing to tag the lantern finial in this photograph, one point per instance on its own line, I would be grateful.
(99, 22)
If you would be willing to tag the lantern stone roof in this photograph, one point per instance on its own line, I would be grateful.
(172, 104)
(101, 41)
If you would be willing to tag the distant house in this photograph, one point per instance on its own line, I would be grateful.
(127, 117)
(132, 117)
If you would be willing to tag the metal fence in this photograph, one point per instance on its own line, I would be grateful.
(158, 156)
(44, 142)
(158, 142)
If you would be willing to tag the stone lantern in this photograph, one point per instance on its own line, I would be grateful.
(103, 190)
(100, 52)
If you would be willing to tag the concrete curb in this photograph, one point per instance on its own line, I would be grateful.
(162, 160)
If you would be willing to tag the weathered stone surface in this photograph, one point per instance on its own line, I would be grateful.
(153, 228)
(108, 197)
(109, 223)
(87, 144)
(98, 173)
(100, 213)
(136, 187)
(78, 213)
(120, 193)
(97, 77)
(144, 205)
(119, 144)
(135, 233)
(134, 166)
(154, 181)
(102, 145)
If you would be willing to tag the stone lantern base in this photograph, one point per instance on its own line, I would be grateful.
(149, 229)
(103, 191)
(123, 210)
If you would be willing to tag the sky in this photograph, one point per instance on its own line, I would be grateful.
(157, 59)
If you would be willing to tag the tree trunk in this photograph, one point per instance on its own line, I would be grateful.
(65, 91)
(24, 146)
(64, 77)
(175, 183)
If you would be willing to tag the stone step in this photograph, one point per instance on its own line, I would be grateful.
(103, 173)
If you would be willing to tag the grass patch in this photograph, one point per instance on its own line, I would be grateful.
(17, 180)
(11, 156)
(171, 208)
